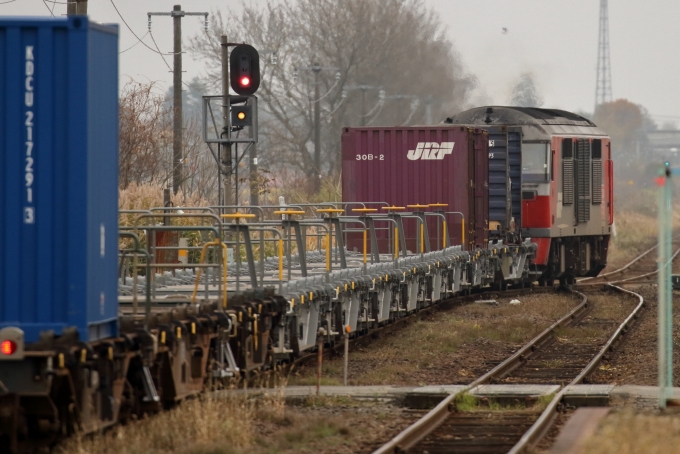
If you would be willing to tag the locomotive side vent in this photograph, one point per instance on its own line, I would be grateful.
(583, 180)
(597, 172)
(567, 172)
(597, 182)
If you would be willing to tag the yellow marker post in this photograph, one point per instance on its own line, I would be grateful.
(365, 241)
(396, 242)
(328, 252)
(463, 232)
(255, 336)
(280, 259)
(444, 235)
(422, 238)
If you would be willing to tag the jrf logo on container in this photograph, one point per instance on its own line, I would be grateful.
(29, 209)
(430, 150)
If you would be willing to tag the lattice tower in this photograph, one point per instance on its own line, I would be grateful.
(603, 87)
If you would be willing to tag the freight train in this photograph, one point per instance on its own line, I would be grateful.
(507, 173)
(85, 345)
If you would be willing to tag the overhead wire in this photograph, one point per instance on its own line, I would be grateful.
(10, 1)
(382, 104)
(328, 92)
(380, 101)
(336, 107)
(122, 51)
(158, 49)
(414, 107)
(135, 34)
(46, 6)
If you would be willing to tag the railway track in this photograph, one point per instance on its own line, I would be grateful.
(542, 360)
(642, 269)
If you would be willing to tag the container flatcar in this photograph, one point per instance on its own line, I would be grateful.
(58, 177)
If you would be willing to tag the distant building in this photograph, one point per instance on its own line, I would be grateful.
(664, 143)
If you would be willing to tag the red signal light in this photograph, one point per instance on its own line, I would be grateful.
(245, 81)
(8, 347)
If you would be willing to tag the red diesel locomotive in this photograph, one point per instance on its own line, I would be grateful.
(567, 192)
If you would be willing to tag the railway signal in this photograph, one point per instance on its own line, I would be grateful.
(241, 116)
(244, 69)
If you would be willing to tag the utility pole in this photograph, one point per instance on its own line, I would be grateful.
(225, 155)
(177, 14)
(603, 85)
(363, 106)
(177, 135)
(316, 183)
(363, 88)
(316, 69)
(254, 191)
(76, 8)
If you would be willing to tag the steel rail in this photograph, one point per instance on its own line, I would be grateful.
(646, 275)
(543, 423)
(435, 417)
(619, 270)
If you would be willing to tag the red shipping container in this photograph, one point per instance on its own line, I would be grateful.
(420, 165)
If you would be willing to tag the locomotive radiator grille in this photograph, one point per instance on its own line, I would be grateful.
(597, 181)
(583, 180)
(568, 182)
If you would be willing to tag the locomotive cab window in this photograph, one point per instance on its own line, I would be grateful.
(535, 161)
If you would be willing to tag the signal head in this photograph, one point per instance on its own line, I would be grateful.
(241, 116)
(244, 69)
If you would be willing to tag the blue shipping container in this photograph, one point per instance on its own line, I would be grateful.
(58, 176)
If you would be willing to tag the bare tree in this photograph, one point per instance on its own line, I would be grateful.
(143, 135)
(376, 62)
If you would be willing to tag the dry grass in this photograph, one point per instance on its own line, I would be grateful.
(144, 197)
(609, 309)
(630, 433)
(225, 425)
(636, 231)
(424, 344)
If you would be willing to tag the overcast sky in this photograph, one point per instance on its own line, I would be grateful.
(556, 40)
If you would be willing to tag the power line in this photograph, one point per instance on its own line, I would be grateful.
(10, 1)
(48, 8)
(122, 51)
(135, 35)
(159, 51)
